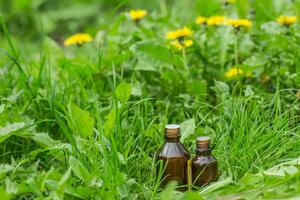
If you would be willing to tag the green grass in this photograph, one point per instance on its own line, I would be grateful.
(85, 122)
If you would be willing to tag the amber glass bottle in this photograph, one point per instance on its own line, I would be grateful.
(204, 164)
(174, 157)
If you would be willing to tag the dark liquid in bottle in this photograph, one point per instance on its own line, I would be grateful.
(204, 164)
(174, 157)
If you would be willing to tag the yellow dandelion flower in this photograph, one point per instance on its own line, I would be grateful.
(180, 45)
(201, 20)
(230, 1)
(137, 15)
(179, 33)
(287, 20)
(233, 72)
(237, 23)
(215, 20)
(78, 39)
(188, 43)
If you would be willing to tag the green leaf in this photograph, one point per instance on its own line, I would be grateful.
(191, 196)
(216, 186)
(9, 130)
(154, 54)
(78, 168)
(80, 120)
(291, 167)
(272, 28)
(187, 128)
(169, 191)
(110, 122)
(256, 60)
(221, 88)
(45, 140)
(225, 40)
(4, 169)
(60, 189)
(11, 187)
(197, 87)
(251, 179)
(249, 91)
(123, 92)
(136, 90)
(3, 194)
(140, 66)
(2, 108)
(264, 10)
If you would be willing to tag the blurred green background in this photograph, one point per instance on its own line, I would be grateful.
(28, 18)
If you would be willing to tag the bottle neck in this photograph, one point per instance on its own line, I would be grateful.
(203, 152)
(170, 139)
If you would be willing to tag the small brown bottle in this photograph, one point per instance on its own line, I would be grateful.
(204, 164)
(174, 157)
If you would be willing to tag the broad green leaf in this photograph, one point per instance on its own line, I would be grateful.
(169, 191)
(249, 91)
(191, 196)
(123, 92)
(110, 121)
(256, 60)
(80, 120)
(80, 192)
(197, 87)
(9, 130)
(154, 54)
(291, 167)
(2, 108)
(78, 168)
(187, 128)
(140, 66)
(3, 194)
(221, 88)
(60, 190)
(272, 28)
(136, 90)
(45, 139)
(264, 10)
(11, 187)
(121, 158)
(251, 179)
(4, 169)
(216, 186)
(226, 39)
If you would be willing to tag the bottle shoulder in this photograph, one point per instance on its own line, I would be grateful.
(173, 149)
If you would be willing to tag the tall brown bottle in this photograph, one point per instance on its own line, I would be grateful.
(204, 164)
(174, 157)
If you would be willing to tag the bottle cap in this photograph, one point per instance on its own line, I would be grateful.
(172, 131)
(203, 142)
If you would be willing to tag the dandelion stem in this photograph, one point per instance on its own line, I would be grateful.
(236, 52)
(184, 58)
